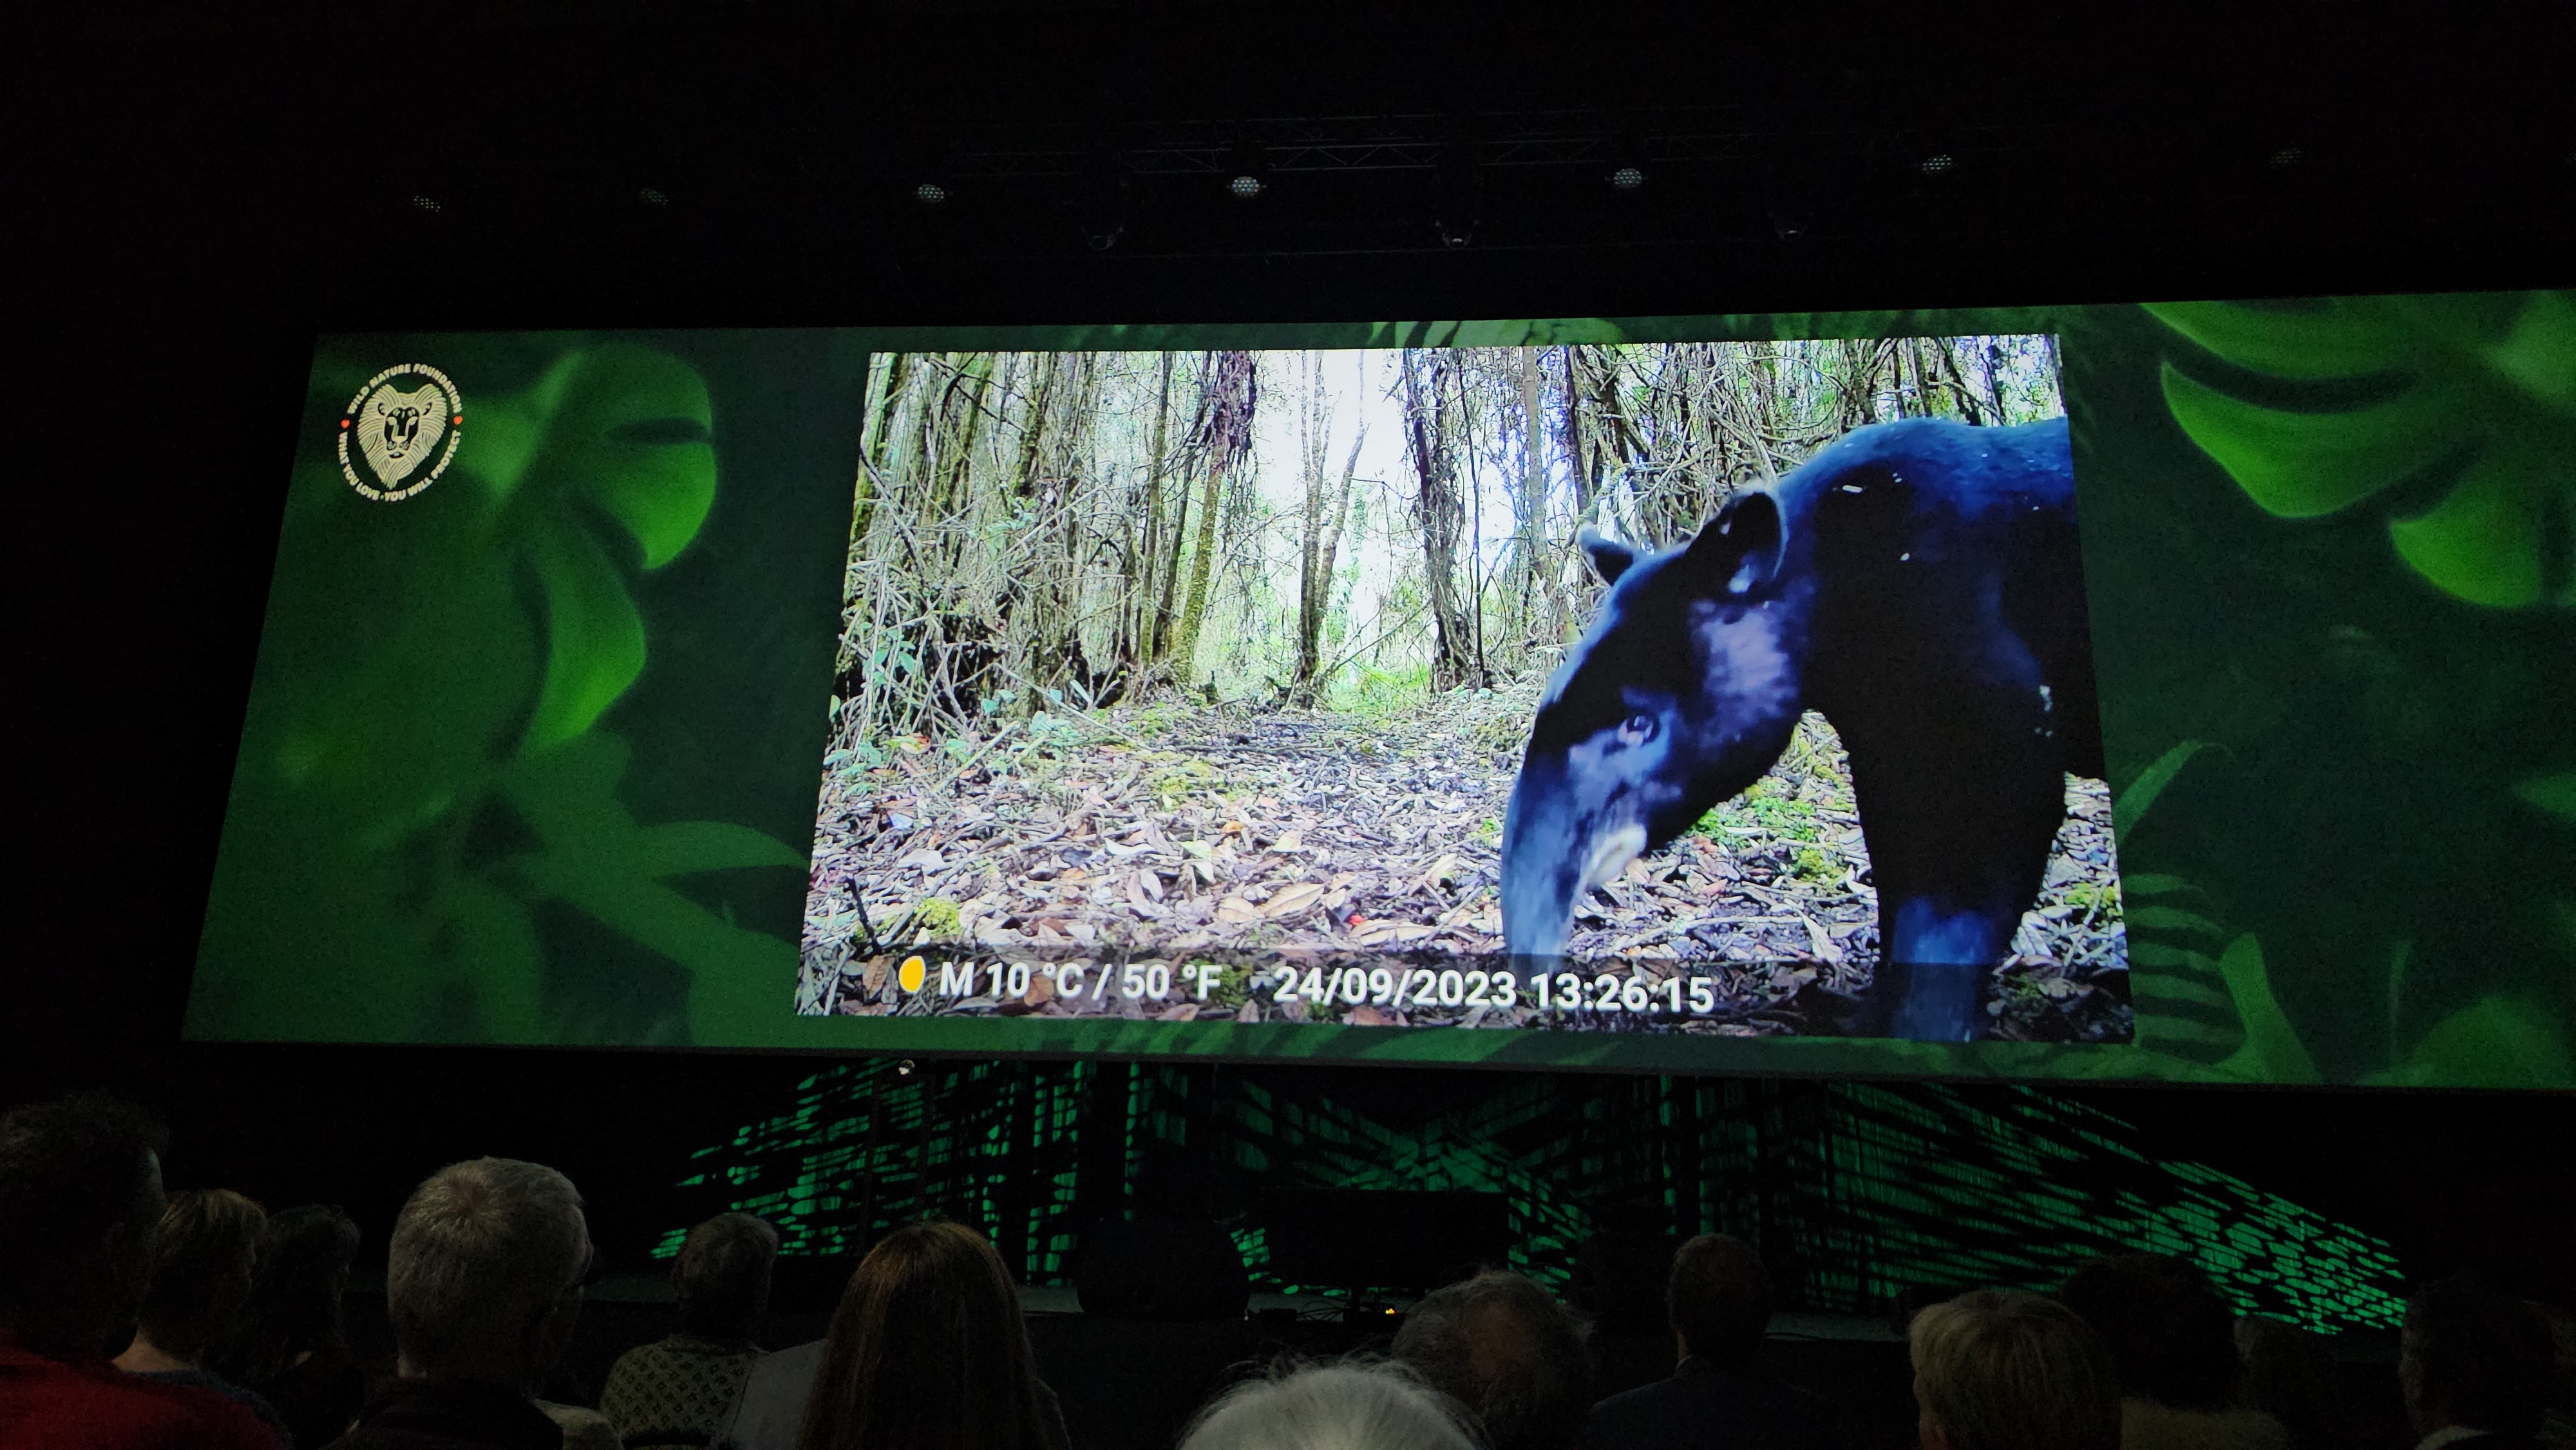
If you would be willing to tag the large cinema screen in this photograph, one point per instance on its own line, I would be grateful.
(2158, 692)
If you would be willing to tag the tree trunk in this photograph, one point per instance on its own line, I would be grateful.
(1328, 507)
(1224, 440)
(898, 380)
(1439, 513)
(1145, 562)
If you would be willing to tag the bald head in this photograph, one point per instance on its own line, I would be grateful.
(1510, 1353)
(1720, 1298)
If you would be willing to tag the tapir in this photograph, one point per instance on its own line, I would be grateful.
(1919, 584)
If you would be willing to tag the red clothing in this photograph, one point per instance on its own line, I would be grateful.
(61, 1404)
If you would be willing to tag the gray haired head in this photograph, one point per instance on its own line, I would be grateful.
(722, 1275)
(1349, 1406)
(482, 1258)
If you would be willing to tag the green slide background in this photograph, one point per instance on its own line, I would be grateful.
(532, 756)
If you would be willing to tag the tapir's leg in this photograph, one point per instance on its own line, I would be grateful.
(1958, 842)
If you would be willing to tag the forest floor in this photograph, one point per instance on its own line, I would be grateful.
(1257, 838)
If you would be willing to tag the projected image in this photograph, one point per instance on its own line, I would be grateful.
(1725, 688)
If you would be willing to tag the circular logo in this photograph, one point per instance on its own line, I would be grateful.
(406, 422)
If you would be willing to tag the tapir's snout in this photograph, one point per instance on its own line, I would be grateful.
(1556, 845)
(1539, 868)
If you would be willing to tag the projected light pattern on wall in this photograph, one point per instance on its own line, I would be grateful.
(1855, 1192)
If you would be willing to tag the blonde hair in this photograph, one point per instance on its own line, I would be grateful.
(2004, 1371)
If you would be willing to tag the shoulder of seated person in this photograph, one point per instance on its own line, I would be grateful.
(207, 1416)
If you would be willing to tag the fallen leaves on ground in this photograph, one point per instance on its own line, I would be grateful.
(1259, 840)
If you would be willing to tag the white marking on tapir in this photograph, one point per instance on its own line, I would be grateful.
(1935, 937)
(1747, 668)
(1611, 853)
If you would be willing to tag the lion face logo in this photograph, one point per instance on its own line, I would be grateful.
(399, 431)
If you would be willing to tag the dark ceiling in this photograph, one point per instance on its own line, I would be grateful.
(735, 162)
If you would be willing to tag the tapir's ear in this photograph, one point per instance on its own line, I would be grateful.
(1610, 558)
(1740, 548)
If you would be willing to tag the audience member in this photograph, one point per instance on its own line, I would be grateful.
(80, 1205)
(2000, 1371)
(1718, 1300)
(928, 1351)
(662, 1392)
(203, 1262)
(1515, 1357)
(2558, 1424)
(483, 1285)
(2477, 1367)
(2288, 1377)
(291, 1347)
(582, 1429)
(2173, 1341)
(1331, 1407)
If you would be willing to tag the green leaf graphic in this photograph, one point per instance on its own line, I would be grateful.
(2494, 1042)
(2489, 382)
(2151, 782)
(2272, 1050)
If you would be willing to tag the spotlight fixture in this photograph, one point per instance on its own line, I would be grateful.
(2285, 158)
(1939, 163)
(425, 203)
(1247, 171)
(1460, 183)
(653, 196)
(1787, 226)
(1106, 192)
(1627, 173)
(930, 193)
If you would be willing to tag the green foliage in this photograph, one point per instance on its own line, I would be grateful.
(1767, 808)
(2498, 1041)
(1377, 694)
(2150, 783)
(2481, 388)
(422, 773)
(938, 918)
(2272, 1051)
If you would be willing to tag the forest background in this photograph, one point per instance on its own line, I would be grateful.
(1100, 601)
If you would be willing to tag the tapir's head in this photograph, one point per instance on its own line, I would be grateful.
(1683, 693)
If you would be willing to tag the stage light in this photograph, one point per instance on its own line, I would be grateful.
(1627, 173)
(1247, 170)
(1788, 226)
(653, 196)
(425, 203)
(2283, 158)
(930, 193)
(1104, 201)
(1460, 185)
(1939, 163)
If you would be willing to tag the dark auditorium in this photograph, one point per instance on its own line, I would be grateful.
(1150, 725)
